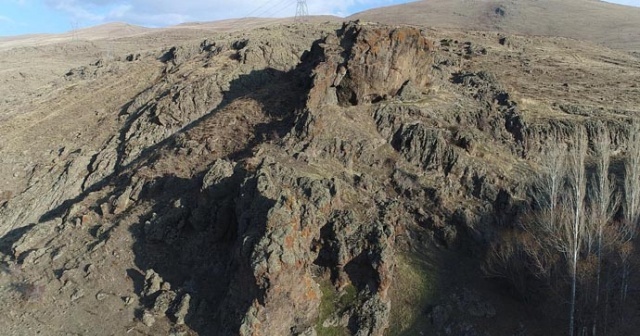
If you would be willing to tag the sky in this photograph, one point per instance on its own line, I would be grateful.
(55, 16)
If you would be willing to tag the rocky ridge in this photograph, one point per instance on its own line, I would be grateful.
(253, 189)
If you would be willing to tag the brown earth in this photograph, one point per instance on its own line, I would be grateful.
(303, 179)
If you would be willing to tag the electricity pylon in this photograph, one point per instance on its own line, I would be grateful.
(74, 31)
(302, 11)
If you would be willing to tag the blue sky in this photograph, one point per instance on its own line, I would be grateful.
(54, 16)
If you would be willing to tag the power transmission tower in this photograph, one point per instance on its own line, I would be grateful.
(302, 11)
(109, 53)
(74, 31)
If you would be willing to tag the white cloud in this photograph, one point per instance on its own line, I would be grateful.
(5, 19)
(345, 7)
(626, 2)
(169, 12)
(78, 10)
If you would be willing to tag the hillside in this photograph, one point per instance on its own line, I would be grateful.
(101, 32)
(314, 179)
(32, 64)
(612, 25)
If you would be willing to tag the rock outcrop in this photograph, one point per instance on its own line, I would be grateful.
(254, 188)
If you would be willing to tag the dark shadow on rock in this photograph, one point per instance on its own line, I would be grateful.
(7, 241)
(268, 86)
(191, 257)
(195, 241)
(137, 278)
(168, 56)
(194, 238)
(362, 274)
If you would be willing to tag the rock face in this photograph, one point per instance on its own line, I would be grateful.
(257, 189)
(380, 61)
(365, 64)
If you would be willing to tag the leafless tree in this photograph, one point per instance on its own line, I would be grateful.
(570, 234)
(576, 231)
(632, 181)
(604, 202)
(553, 173)
(545, 225)
(561, 224)
(631, 199)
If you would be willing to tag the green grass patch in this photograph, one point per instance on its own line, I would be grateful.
(414, 289)
(334, 302)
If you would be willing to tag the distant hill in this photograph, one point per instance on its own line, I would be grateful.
(252, 22)
(117, 30)
(111, 30)
(612, 25)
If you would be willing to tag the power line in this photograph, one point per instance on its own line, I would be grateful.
(270, 9)
(280, 3)
(257, 9)
(286, 6)
(260, 10)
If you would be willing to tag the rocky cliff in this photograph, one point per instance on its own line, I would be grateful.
(259, 186)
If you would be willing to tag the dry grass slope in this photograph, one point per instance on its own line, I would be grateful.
(614, 26)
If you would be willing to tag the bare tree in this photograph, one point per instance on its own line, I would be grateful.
(631, 199)
(571, 234)
(561, 224)
(551, 181)
(632, 181)
(544, 227)
(604, 202)
(576, 231)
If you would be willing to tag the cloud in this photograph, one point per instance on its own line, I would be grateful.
(85, 10)
(170, 12)
(626, 2)
(5, 19)
(345, 7)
